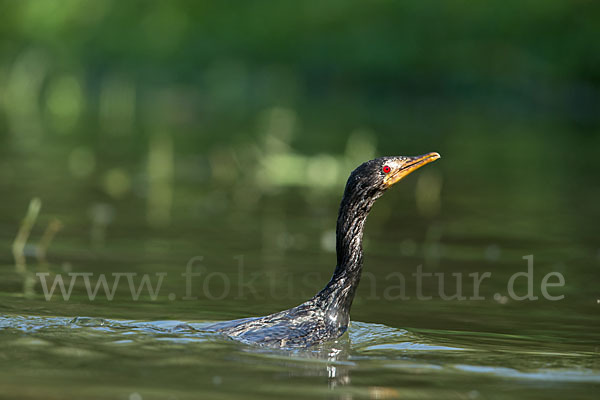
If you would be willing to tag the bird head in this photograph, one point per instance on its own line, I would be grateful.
(380, 174)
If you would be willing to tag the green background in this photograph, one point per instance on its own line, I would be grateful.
(154, 132)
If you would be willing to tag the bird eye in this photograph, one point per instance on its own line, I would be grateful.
(386, 169)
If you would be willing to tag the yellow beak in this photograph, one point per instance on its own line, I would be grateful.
(408, 166)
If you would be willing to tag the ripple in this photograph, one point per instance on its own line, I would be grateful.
(567, 375)
(366, 346)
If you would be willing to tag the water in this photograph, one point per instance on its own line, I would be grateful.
(161, 360)
(254, 250)
(202, 151)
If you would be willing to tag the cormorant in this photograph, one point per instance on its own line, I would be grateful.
(327, 314)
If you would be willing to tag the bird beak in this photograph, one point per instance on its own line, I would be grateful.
(409, 165)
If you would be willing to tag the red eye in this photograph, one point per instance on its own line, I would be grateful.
(386, 169)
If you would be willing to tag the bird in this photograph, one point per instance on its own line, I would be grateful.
(326, 316)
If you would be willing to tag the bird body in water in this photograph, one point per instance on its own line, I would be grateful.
(326, 316)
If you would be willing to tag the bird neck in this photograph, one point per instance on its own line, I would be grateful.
(339, 292)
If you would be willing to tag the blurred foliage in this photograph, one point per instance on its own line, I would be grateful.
(211, 66)
(135, 96)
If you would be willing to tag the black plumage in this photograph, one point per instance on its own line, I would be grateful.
(327, 315)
